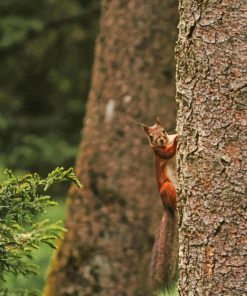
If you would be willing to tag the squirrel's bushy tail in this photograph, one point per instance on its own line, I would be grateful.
(165, 250)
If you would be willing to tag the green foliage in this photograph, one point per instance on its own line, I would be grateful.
(21, 198)
(15, 29)
(41, 256)
(21, 292)
(172, 291)
(46, 54)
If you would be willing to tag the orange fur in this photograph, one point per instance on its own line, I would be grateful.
(165, 250)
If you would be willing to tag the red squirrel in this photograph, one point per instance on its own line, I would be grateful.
(165, 249)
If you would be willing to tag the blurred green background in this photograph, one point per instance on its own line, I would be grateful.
(46, 56)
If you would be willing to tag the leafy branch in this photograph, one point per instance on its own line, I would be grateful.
(21, 199)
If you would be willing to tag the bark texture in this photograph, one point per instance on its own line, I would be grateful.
(111, 224)
(211, 95)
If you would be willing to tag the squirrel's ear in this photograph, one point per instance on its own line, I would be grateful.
(158, 121)
(146, 128)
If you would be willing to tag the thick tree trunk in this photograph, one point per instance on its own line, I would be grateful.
(211, 83)
(111, 224)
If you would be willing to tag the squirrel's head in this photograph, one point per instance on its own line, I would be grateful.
(156, 134)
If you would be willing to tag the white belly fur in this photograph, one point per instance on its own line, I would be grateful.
(171, 171)
(171, 165)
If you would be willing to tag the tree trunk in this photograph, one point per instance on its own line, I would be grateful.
(111, 223)
(211, 83)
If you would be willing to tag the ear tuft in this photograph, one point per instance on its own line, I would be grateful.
(158, 121)
(146, 128)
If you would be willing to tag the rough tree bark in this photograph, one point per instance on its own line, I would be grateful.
(111, 224)
(211, 85)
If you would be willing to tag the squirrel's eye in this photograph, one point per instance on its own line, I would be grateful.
(164, 131)
(151, 137)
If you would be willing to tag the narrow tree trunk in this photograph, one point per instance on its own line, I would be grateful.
(111, 224)
(211, 83)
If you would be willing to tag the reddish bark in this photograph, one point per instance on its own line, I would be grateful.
(111, 224)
